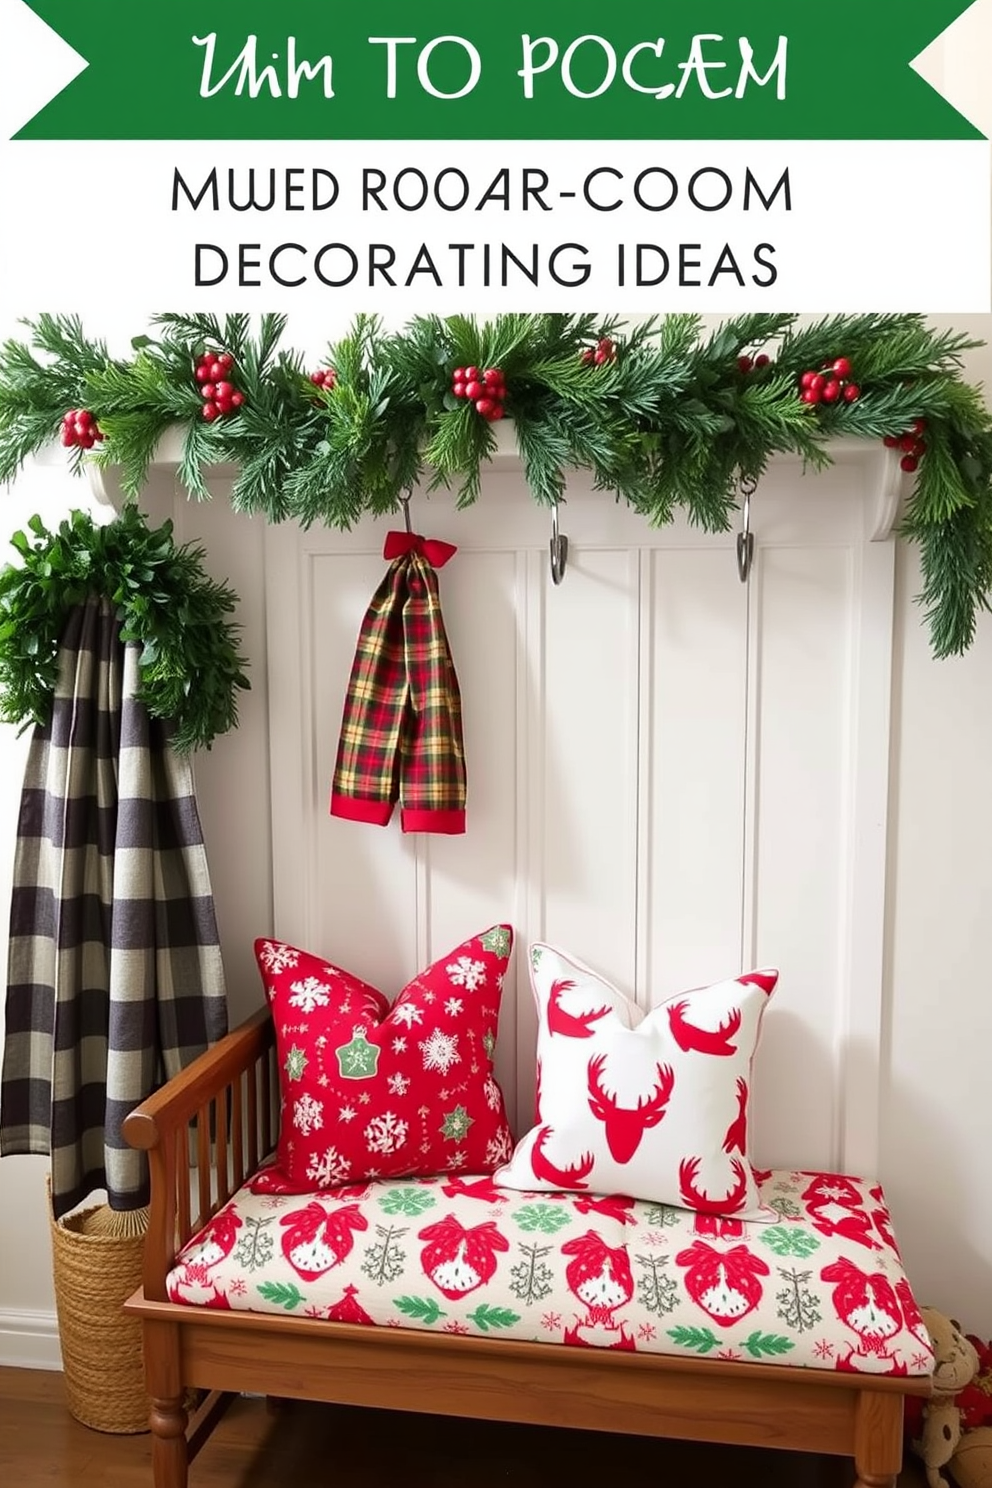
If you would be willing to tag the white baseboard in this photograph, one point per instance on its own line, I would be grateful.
(29, 1340)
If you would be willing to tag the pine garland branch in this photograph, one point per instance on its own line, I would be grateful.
(659, 414)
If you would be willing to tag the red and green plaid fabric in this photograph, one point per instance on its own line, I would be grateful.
(401, 734)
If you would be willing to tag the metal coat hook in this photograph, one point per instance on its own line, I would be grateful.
(404, 502)
(559, 549)
(745, 538)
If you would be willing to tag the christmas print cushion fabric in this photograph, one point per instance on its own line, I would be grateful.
(652, 1105)
(369, 1090)
(821, 1287)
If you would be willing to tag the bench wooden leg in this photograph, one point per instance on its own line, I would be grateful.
(878, 1439)
(168, 1417)
(170, 1458)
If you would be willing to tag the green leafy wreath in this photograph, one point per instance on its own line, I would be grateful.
(190, 666)
(664, 417)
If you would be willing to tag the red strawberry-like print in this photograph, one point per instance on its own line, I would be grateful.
(316, 1239)
(866, 1303)
(692, 1039)
(625, 1125)
(695, 1198)
(457, 1260)
(569, 1025)
(600, 1275)
(724, 1284)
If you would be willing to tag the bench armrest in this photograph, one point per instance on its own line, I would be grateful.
(205, 1132)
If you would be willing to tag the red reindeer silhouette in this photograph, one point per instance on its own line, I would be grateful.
(694, 1198)
(458, 1260)
(600, 1278)
(912, 1314)
(316, 1239)
(566, 1024)
(723, 1283)
(475, 1188)
(835, 1207)
(544, 1169)
(867, 1305)
(616, 1206)
(625, 1125)
(736, 1138)
(692, 1039)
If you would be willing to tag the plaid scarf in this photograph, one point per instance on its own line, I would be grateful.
(114, 977)
(401, 734)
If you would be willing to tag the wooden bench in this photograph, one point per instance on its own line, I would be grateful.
(207, 1131)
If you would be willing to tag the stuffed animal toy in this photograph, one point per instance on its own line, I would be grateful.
(939, 1424)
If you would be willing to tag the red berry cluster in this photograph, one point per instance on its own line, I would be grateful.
(220, 396)
(80, 429)
(830, 385)
(486, 390)
(753, 364)
(913, 445)
(325, 377)
(597, 356)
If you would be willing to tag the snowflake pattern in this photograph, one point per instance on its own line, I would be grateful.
(399, 1045)
(398, 1084)
(276, 957)
(328, 1169)
(454, 1006)
(346, 1113)
(499, 1149)
(822, 1349)
(440, 1051)
(467, 973)
(308, 1115)
(492, 1093)
(309, 994)
(238, 1287)
(454, 1326)
(646, 1332)
(407, 1013)
(551, 1322)
(386, 1133)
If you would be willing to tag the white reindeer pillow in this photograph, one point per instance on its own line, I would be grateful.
(652, 1106)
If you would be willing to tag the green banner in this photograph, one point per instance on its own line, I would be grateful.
(630, 69)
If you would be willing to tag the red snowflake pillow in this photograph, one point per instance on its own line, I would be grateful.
(652, 1106)
(373, 1091)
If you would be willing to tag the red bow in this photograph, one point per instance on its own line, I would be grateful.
(437, 553)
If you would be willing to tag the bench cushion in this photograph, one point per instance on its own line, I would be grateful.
(821, 1288)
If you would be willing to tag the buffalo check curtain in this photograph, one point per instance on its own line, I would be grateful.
(401, 734)
(115, 980)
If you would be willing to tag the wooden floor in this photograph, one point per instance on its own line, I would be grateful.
(311, 1446)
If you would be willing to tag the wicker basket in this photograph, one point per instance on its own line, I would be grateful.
(96, 1268)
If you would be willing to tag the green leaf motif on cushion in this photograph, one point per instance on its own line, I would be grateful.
(786, 1240)
(496, 940)
(409, 1201)
(485, 1317)
(767, 1345)
(786, 1208)
(701, 1340)
(548, 1219)
(456, 1124)
(296, 1063)
(424, 1309)
(282, 1293)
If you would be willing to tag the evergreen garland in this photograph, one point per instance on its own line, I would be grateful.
(190, 665)
(670, 421)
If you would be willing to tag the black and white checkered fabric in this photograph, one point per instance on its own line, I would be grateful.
(114, 978)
